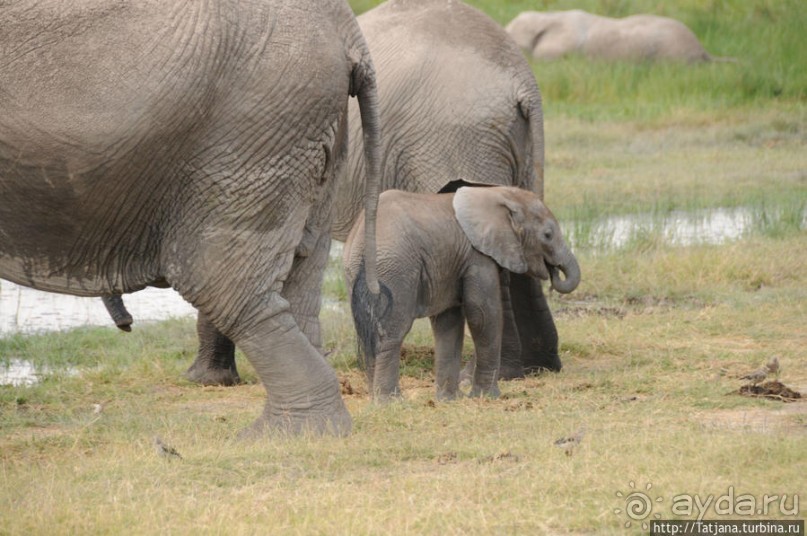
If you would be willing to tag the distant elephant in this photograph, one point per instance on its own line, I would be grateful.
(457, 98)
(442, 256)
(195, 144)
(552, 35)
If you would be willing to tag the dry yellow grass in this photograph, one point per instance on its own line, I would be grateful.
(653, 343)
(645, 377)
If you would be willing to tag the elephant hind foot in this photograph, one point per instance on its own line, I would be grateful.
(202, 375)
(511, 372)
(386, 397)
(551, 363)
(485, 392)
(506, 372)
(337, 423)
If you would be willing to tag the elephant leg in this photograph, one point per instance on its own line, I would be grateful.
(246, 304)
(449, 329)
(384, 372)
(536, 328)
(303, 393)
(303, 288)
(511, 365)
(485, 322)
(215, 361)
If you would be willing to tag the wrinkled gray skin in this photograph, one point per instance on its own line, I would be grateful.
(551, 35)
(194, 144)
(458, 101)
(442, 256)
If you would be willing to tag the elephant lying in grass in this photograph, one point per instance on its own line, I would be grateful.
(552, 35)
(443, 256)
(192, 144)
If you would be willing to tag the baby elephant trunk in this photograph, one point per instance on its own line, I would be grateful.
(571, 274)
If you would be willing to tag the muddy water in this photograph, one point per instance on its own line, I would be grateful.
(30, 311)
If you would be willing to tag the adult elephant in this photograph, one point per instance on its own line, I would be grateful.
(460, 105)
(550, 35)
(191, 144)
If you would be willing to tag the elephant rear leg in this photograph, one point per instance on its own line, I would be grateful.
(449, 330)
(247, 306)
(303, 393)
(303, 288)
(215, 361)
(384, 371)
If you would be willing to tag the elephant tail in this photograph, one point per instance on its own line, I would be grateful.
(531, 107)
(366, 91)
(117, 310)
(369, 313)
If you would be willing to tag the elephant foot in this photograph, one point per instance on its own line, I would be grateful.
(490, 392)
(506, 372)
(203, 375)
(511, 372)
(335, 422)
(447, 396)
(550, 363)
(387, 397)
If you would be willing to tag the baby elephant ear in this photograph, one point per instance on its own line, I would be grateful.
(490, 219)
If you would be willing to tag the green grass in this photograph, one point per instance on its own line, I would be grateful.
(653, 342)
(765, 37)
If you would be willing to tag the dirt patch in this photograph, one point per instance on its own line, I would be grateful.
(593, 306)
(518, 405)
(773, 390)
(353, 384)
(503, 456)
(578, 311)
(417, 354)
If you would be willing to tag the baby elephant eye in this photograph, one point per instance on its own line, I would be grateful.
(548, 234)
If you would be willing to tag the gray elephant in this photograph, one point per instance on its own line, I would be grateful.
(457, 98)
(194, 145)
(442, 256)
(551, 35)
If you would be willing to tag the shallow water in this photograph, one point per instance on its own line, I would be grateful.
(21, 372)
(678, 228)
(31, 311)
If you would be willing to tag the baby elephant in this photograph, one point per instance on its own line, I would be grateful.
(442, 256)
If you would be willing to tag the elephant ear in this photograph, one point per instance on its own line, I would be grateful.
(491, 219)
